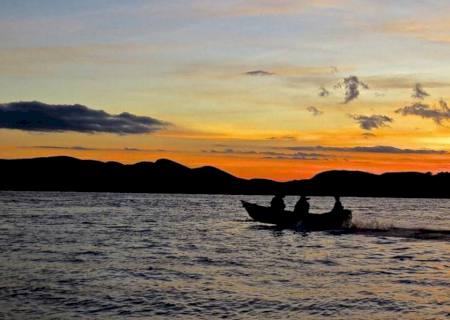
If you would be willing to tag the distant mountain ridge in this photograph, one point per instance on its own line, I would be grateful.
(165, 176)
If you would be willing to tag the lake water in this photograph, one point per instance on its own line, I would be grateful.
(153, 256)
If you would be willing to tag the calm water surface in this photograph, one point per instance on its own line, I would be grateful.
(141, 256)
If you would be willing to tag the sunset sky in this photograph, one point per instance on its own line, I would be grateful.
(275, 89)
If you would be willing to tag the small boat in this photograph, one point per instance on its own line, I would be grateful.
(312, 221)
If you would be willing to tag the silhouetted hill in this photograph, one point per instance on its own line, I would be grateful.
(166, 176)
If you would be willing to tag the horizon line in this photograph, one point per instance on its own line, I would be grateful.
(218, 168)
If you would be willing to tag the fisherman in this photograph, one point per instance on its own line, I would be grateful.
(302, 206)
(277, 203)
(338, 207)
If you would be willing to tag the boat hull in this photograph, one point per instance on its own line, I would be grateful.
(312, 221)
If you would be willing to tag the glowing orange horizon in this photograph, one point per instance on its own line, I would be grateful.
(256, 167)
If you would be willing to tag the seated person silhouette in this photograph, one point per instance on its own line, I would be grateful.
(338, 207)
(277, 203)
(302, 206)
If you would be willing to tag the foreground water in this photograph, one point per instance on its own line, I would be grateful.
(141, 256)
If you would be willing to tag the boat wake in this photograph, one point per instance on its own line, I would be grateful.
(376, 229)
(381, 229)
(411, 233)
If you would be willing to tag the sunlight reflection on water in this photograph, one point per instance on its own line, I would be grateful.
(113, 256)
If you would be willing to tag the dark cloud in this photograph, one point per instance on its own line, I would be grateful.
(373, 149)
(368, 135)
(259, 73)
(38, 116)
(315, 112)
(283, 138)
(419, 92)
(269, 154)
(371, 122)
(390, 149)
(438, 115)
(323, 92)
(230, 151)
(321, 152)
(444, 106)
(299, 156)
(81, 148)
(234, 151)
(64, 148)
(351, 85)
(133, 149)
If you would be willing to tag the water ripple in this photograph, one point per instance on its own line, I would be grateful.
(116, 256)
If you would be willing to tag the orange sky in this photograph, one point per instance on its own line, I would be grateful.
(251, 166)
(272, 89)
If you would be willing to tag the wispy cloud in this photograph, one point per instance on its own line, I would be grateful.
(82, 148)
(259, 73)
(45, 60)
(38, 116)
(368, 135)
(300, 156)
(403, 82)
(267, 7)
(323, 92)
(270, 154)
(436, 30)
(230, 151)
(283, 138)
(326, 72)
(419, 92)
(371, 122)
(290, 73)
(315, 112)
(370, 149)
(322, 152)
(334, 69)
(437, 114)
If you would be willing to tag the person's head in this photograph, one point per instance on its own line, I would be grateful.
(336, 197)
(304, 198)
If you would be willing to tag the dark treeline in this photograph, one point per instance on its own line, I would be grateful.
(165, 176)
